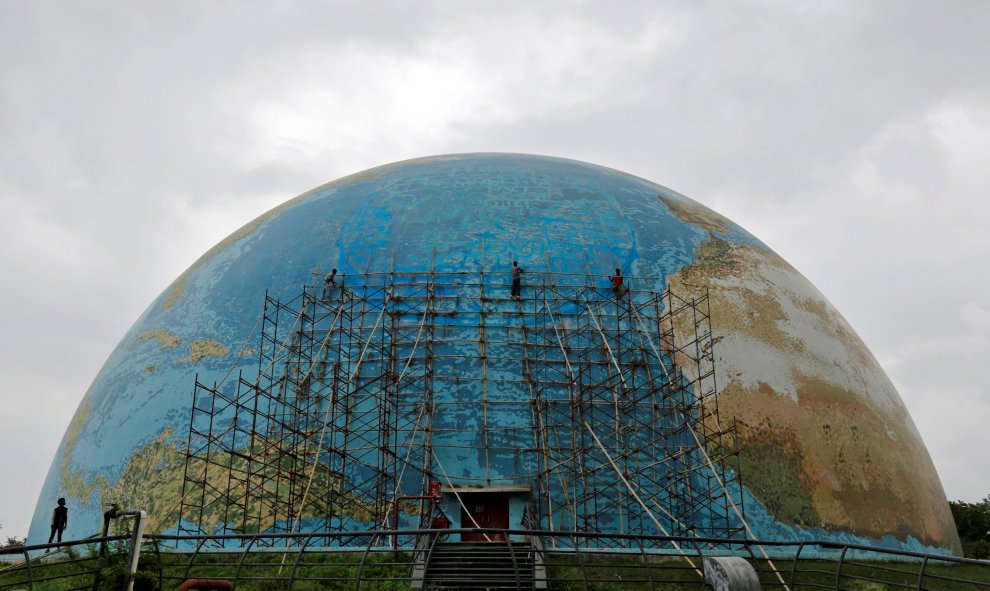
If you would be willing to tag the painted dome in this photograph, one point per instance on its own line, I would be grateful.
(826, 448)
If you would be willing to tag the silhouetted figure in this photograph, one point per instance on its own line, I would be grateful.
(328, 282)
(616, 281)
(517, 272)
(60, 519)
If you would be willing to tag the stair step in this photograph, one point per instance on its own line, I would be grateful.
(490, 565)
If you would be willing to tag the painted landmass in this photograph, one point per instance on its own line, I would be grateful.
(166, 340)
(827, 446)
(199, 350)
(154, 475)
(74, 483)
(824, 440)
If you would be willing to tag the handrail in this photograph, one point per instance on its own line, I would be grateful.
(40, 563)
(62, 544)
(429, 554)
(531, 521)
(196, 557)
(358, 534)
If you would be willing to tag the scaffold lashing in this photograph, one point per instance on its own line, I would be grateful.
(601, 404)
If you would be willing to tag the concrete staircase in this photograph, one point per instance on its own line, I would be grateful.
(480, 565)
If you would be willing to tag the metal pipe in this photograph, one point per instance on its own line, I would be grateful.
(395, 513)
(137, 537)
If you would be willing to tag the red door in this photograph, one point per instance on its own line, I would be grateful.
(488, 510)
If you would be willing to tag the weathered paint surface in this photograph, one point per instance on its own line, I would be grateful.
(829, 450)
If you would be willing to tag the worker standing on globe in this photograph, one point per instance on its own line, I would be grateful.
(60, 519)
(517, 272)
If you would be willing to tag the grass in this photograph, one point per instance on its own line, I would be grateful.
(875, 575)
(272, 571)
(568, 571)
(388, 571)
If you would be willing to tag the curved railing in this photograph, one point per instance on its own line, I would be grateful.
(572, 560)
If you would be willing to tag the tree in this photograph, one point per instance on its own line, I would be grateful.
(973, 524)
(13, 542)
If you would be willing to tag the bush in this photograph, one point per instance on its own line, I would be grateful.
(978, 549)
(973, 523)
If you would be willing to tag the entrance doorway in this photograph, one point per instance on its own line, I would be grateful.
(488, 510)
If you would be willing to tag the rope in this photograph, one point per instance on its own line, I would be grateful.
(615, 391)
(284, 345)
(640, 327)
(694, 434)
(645, 332)
(326, 418)
(708, 459)
(453, 489)
(546, 449)
(570, 370)
(611, 355)
(326, 415)
(168, 514)
(728, 497)
(422, 412)
(632, 491)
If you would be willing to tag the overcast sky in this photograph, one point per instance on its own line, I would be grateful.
(852, 137)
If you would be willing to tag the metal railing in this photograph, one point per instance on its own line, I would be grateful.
(91, 563)
(98, 562)
(571, 560)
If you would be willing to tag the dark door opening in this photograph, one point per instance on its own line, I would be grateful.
(488, 510)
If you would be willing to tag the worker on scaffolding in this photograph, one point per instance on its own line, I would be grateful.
(616, 281)
(329, 282)
(517, 272)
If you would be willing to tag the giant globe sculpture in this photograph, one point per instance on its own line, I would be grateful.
(713, 391)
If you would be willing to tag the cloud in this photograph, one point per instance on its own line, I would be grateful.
(851, 137)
